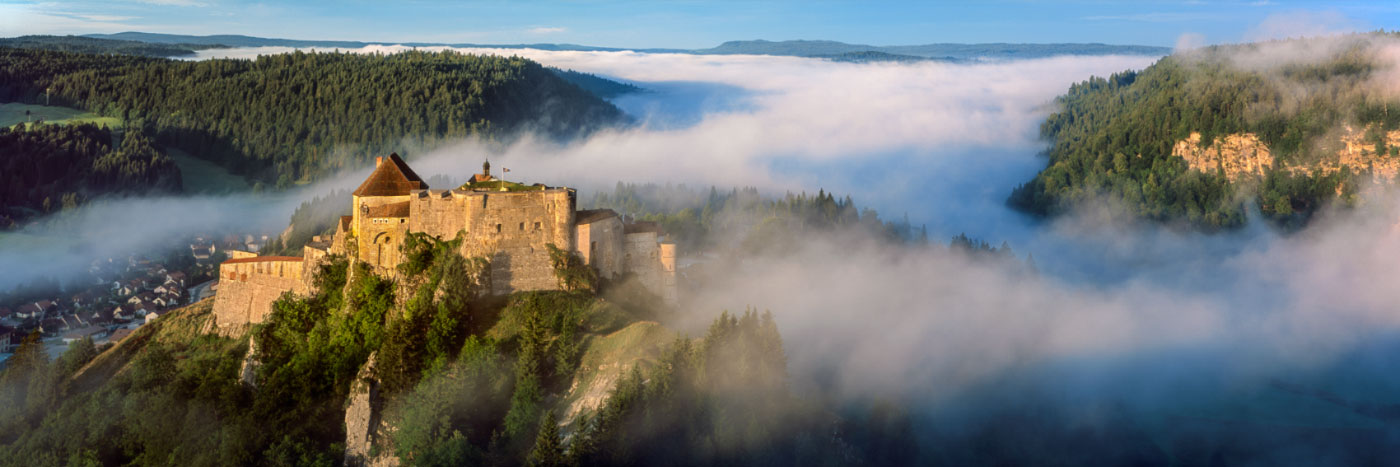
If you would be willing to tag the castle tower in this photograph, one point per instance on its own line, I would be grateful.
(380, 216)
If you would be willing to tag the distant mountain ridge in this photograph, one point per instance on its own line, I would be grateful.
(812, 48)
(795, 48)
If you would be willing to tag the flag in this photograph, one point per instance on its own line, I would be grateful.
(505, 170)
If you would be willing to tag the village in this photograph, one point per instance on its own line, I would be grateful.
(117, 295)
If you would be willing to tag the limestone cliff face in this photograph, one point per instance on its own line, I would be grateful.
(1237, 155)
(1360, 154)
(362, 421)
(608, 359)
(1243, 155)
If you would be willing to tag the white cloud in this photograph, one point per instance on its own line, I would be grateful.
(24, 19)
(1189, 41)
(927, 323)
(541, 30)
(1302, 23)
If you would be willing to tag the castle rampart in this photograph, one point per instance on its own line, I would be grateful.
(510, 225)
(248, 286)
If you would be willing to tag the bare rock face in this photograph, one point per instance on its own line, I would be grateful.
(248, 373)
(1237, 155)
(362, 417)
(609, 359)
(1360, 154)
(1242, 155)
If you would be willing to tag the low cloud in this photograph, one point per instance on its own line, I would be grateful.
(1189, 41)
(542, 30)
(946, 143)
(1303, 23)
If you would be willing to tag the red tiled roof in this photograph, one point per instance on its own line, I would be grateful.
(391, 178)
(389, 210)
(258, 259)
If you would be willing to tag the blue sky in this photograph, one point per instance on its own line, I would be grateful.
(698, 24)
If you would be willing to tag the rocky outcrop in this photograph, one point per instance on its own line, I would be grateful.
(248, 373)
(604, 363)
(362, 419)
(1360, 154)
(1242, 155)
(1237, 155)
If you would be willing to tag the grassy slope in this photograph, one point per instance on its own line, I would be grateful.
(201, 176)
(13, 113)
(197, 175)
(179, 326)
(613, 342)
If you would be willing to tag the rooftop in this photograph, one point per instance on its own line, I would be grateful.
(589, 216)
(391, 177)
(496, 184)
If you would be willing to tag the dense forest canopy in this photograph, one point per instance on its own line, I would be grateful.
(1113, 137)
(466, 381)
(296, 117)
(47, 168)
(91, 45)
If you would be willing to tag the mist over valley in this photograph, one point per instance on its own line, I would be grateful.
(1002, 257)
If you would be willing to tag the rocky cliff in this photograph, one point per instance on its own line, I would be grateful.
(1242, 155)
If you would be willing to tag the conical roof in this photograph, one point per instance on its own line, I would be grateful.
(391, 178)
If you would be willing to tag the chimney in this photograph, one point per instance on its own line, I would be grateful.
(378, 161)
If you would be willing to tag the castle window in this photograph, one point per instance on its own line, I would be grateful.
(498, 228)
(537, 226)
(522, 226)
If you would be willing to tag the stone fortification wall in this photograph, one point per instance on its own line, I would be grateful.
(248, 286)
(511, 229)
(642, 256)
(667, 273)
(601, 246)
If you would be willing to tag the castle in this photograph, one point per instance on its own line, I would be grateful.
(510, 224)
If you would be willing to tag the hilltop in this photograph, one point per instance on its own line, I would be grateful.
(278, 120)
(1200, 136)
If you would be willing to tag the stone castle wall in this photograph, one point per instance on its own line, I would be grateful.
(248, 286)
(600, 245)
(511, 229)
(653, 263)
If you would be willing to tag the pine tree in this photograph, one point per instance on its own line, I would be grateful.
(549, 451)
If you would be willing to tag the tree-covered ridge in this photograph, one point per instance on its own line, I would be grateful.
(467, 380)
(1113, 137)
(599, 86)
(45, 168)
(296, 117)
(91, 45)
(744, 219)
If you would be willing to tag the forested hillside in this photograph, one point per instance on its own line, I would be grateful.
(47, 168)
(1113, 138)
(295, 117)
(91, 45)
(464, 381)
